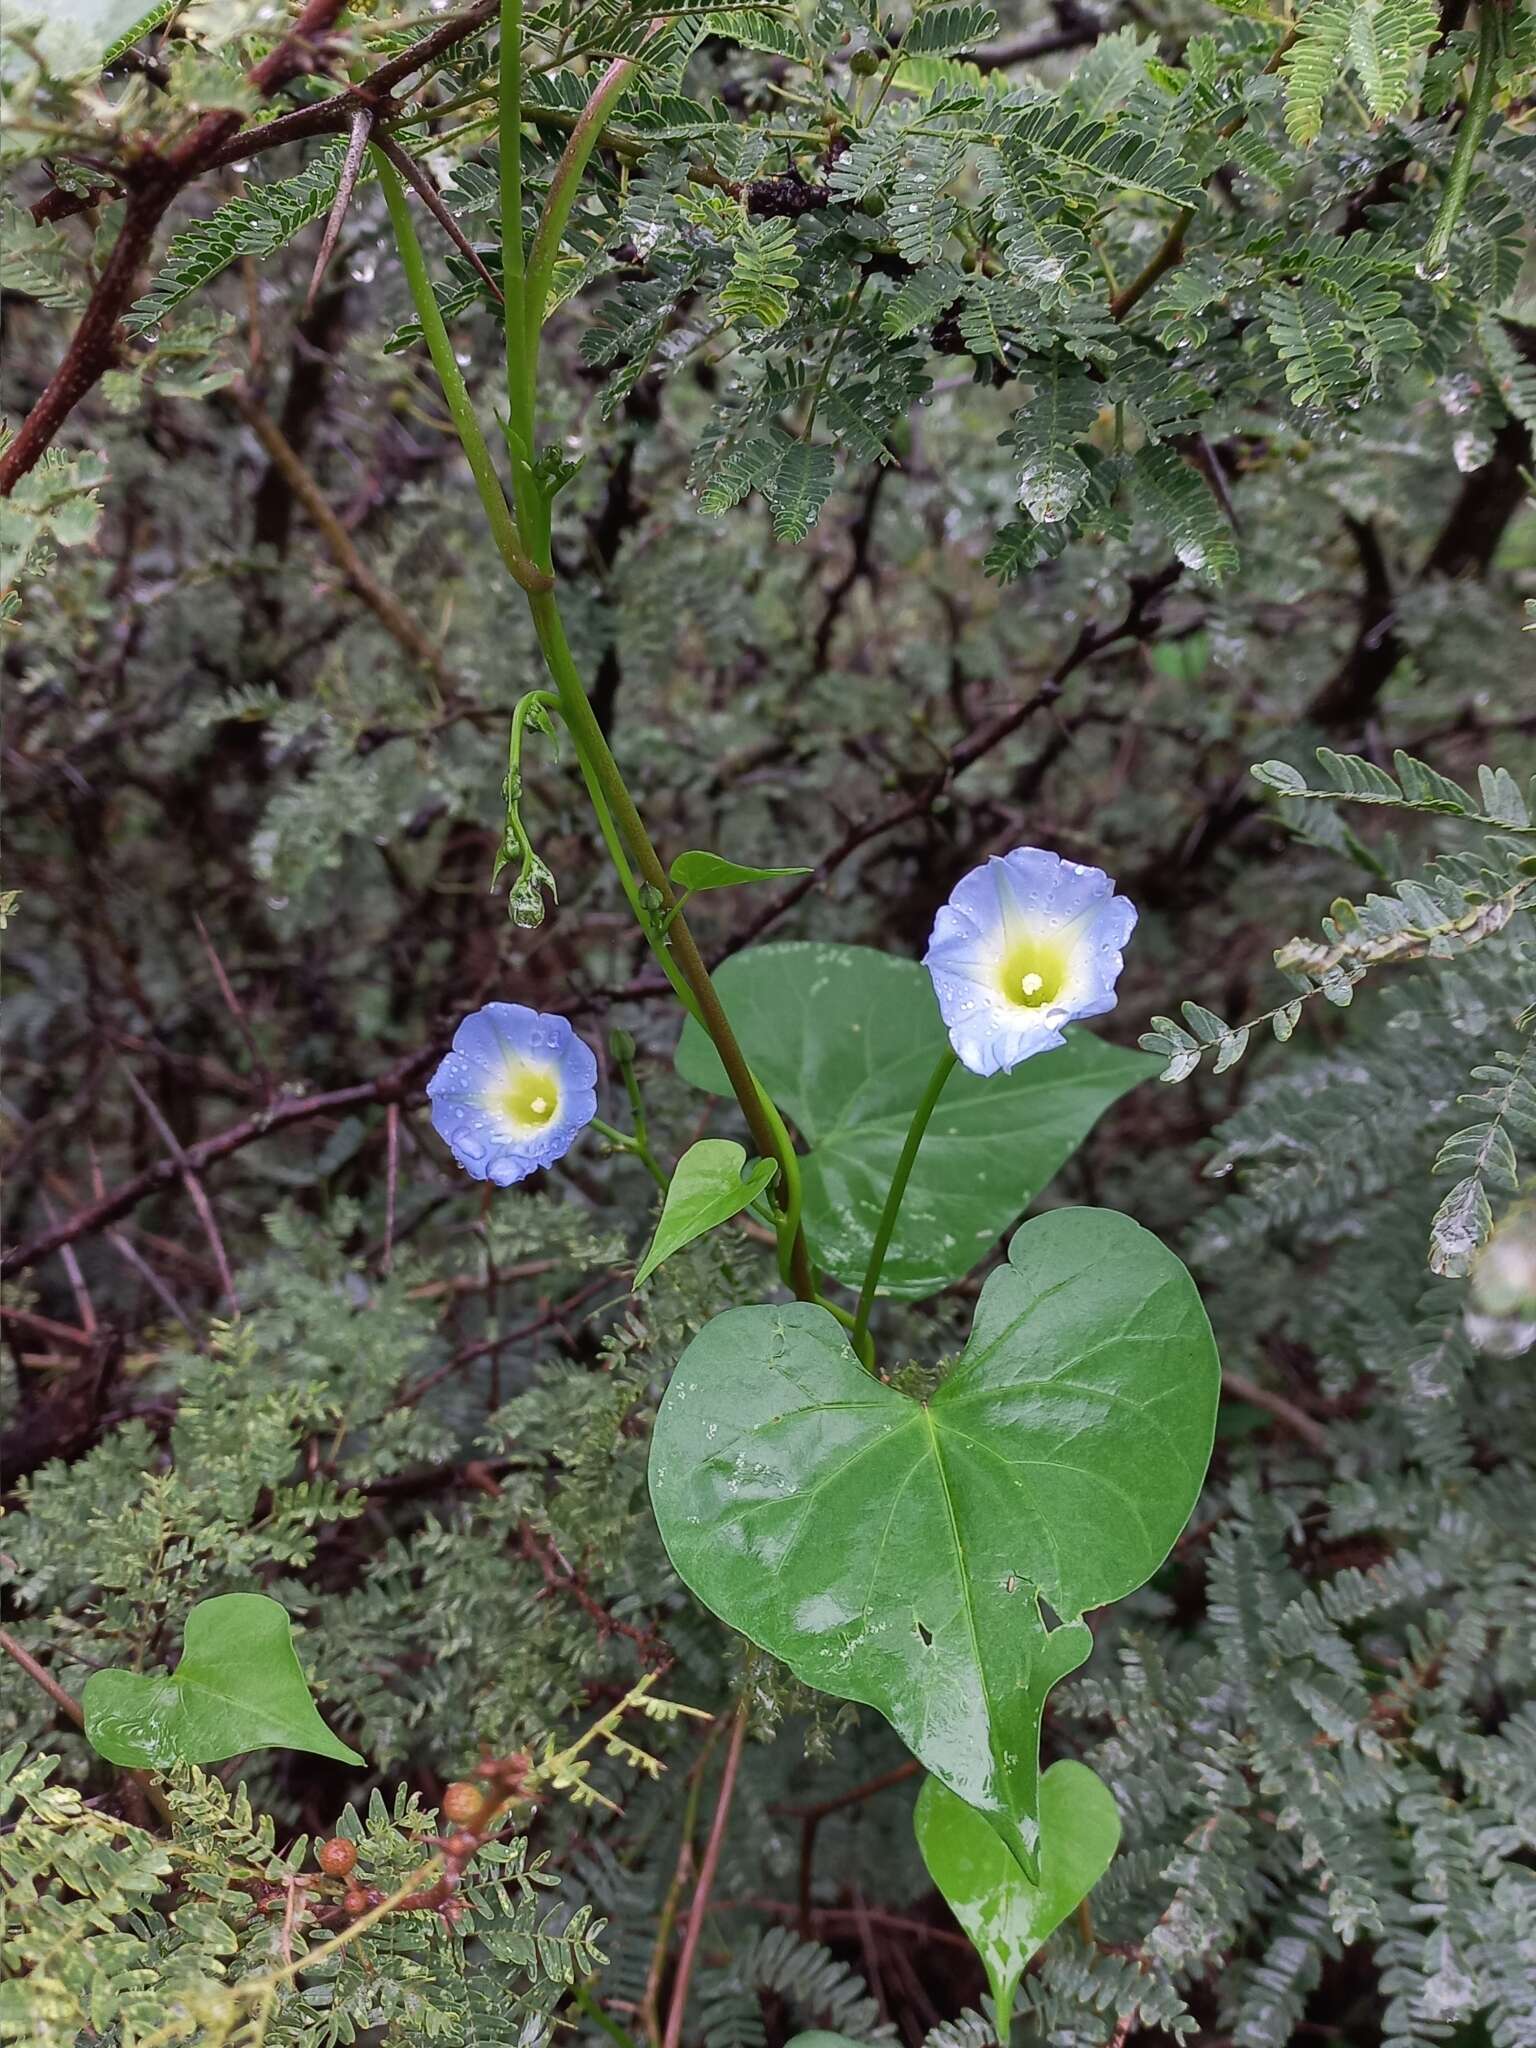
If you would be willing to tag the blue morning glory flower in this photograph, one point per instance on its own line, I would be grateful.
(514, 1094)
(1025, 945)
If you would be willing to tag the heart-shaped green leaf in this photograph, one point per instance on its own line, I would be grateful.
(706, 1189)
(697, 871)
(896, 1552)
(1008, 1916)
(845, 1039)
(238, 1687)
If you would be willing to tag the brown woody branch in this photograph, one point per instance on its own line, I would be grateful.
(1137, 622)
(392, 615)
(392, 1086)
(153, 181)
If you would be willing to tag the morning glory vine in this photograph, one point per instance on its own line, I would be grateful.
(932, 1559)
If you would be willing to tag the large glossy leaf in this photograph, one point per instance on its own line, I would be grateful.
(1006, 1914)
(897, 1552)
(238, 1687)
(845, 1039)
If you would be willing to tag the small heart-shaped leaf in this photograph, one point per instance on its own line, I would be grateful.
(706, 1189)
(238, 1687)
(897, 1552)
(697, 871)
(845, 1039)
(1007, 1915)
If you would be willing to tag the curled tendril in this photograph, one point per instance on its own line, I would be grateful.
(525, 901)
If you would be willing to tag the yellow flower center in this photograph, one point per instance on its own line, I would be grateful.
(1034, 970)
(528, 1096)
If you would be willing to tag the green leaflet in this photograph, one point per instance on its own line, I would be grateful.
(238, 1687)
(698, 871)
(706, 1189)
(844, 1039)
(897, 1553)
(1007, 1916)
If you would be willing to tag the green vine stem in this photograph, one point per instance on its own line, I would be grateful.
(650, 894)
(623, 1142)
(1469, 137)
(520, 376)
(679, 952)
(898, 1188)
(561, 197)
(498, 514)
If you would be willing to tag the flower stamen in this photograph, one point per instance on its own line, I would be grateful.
(1032, 973)
(528, 1096)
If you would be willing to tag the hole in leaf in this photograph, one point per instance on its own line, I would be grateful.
(1048, 1614)
(926, 1635)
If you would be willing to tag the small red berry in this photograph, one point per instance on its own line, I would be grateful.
(337, 1857)
(462, 1846)
(356, 1900)
(463, 1802)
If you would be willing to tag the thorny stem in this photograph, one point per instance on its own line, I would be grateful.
(898, 1188)
(1490, 44)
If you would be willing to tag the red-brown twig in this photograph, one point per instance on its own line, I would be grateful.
(391, 1182)
(189, 1181)
(232, 1004)
(392, 1086)
(1296, 1420)
(45, 1329)
(487, 1346)
(146, 1272)
(1137, 621)
(650, 2004)
(560, 1578)
(152, 183)
(67, 1704)
(39, 1676)
(702, 1890)
(811, 1818)
(76, 1279)
(396, 620)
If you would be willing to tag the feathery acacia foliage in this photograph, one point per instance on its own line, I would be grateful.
(945, 446)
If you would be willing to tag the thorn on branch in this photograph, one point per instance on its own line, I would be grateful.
(352, 164)
(415, 175)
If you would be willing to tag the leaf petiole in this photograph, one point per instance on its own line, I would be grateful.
(888, 1215)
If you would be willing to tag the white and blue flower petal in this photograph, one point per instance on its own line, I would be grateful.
(1026, 944)
(515, 1092)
